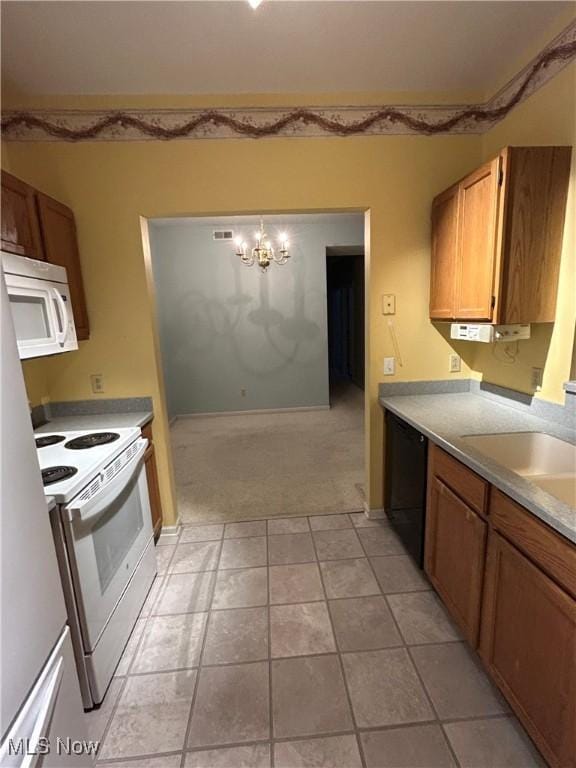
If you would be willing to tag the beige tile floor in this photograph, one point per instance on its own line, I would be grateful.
(308, 641)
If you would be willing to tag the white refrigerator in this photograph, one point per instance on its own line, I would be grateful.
(42, 722)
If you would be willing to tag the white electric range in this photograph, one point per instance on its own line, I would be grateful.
(104, 540)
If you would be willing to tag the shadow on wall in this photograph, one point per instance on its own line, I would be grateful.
(506, 365)
(211, 320)
(232, 337)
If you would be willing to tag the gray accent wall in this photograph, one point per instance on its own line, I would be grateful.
(234, 338)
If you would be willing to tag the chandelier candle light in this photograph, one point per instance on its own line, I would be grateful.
(263, 252)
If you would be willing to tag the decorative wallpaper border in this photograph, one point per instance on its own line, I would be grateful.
(255, 123)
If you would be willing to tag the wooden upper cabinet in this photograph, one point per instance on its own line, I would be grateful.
(61, 247)
(510, 219)
(537, 181)
(20, 232)
(444, 252)
(477, 243)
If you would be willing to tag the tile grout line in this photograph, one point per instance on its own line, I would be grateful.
(123, 685)
(429, 697)
(111, 761)
(340, 662)
(125, 677)
(200, 656)
(269, 617)
(308, 737)
(223, 664)
(224, 522)
(318, 600)
(357, 730)
(405, 644)
(417, 672)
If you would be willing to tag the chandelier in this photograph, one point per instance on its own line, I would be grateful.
(263, 252)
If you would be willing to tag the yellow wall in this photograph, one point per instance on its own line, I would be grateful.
(111, 185)
(548, 117)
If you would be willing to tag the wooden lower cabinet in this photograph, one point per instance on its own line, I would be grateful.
(509, 581)
(529, 646)
(153, 485)
(454, 555)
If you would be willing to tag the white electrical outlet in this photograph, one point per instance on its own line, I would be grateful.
(389, 366)
(454, 363)
(97, 381)
(388, 304)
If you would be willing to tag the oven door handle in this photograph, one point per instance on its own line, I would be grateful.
(96, 505)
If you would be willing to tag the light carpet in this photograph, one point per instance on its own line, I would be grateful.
(244, 467)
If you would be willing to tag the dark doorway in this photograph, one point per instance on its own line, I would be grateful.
(345, 294)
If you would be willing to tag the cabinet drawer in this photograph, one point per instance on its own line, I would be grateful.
(551, 551)
(465, 483)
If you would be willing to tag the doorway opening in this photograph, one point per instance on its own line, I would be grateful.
(345, 303)
(254, 425)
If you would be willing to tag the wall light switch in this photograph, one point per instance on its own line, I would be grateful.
(389, 366)
(97, 381)
(388, 304)
(454, 363)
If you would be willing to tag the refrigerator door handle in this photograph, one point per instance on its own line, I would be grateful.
(39, 709)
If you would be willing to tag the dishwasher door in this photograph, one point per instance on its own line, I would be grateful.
(406, 457)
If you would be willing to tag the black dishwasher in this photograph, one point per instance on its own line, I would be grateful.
(405, 483)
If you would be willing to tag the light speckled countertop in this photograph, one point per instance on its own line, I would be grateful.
(446, 418)
(97, 421)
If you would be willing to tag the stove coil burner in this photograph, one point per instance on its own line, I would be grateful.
(45, 440)
(56, 474)
(91, 441)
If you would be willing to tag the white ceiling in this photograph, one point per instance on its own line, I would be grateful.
(187, 47)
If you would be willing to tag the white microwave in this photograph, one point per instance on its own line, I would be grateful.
(41, 307)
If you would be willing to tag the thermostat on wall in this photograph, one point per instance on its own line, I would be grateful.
(487, 333)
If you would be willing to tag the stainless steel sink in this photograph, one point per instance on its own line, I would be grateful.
(547, 461)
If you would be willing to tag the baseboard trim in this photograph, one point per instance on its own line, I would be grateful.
(255, 412)
(374, 514)
(171, 530)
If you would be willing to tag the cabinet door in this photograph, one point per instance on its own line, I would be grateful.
(536, 190)
(454, 555)
(153, 486)
(477, 238)
(444, 252)
(61, 247)
(20, 231)
(529, 646)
